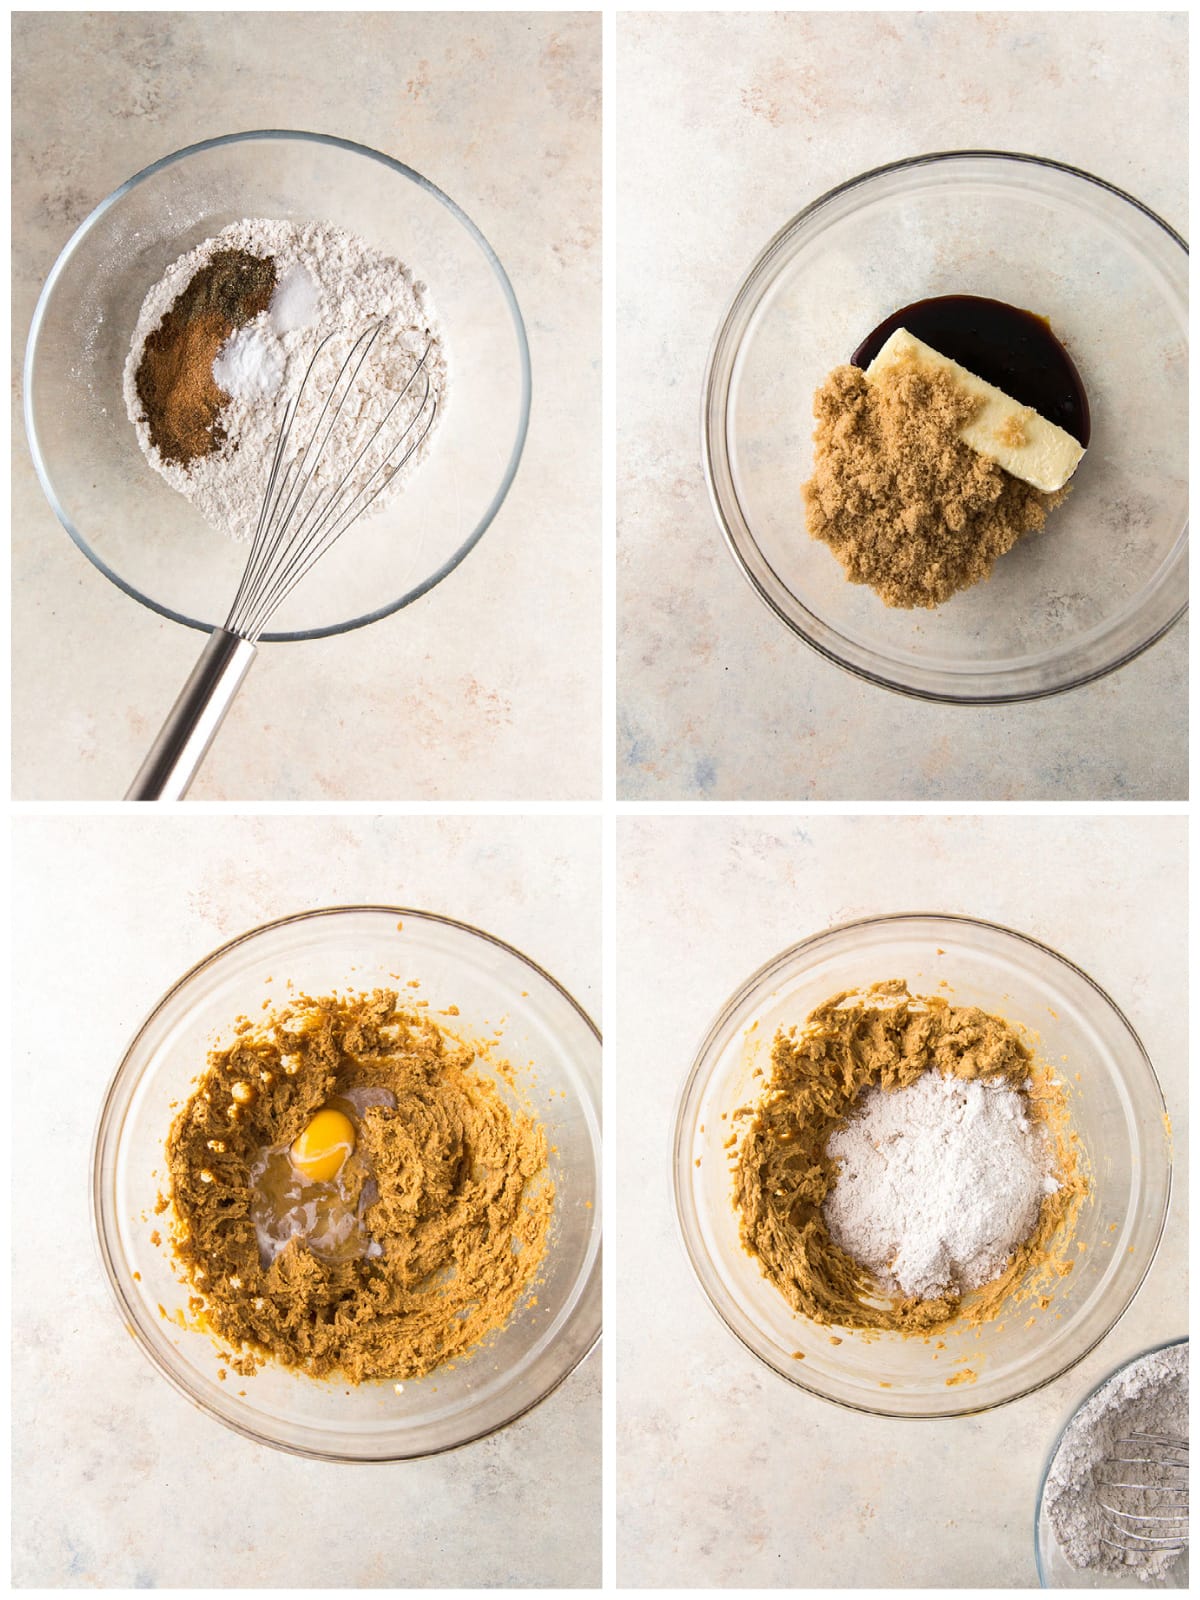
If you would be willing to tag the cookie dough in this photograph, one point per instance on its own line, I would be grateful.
(854, 1042)
(462, 1204)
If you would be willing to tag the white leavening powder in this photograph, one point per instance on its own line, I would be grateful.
(250, 365)
(328, 281)
(1148, 1396)
(939, 1183)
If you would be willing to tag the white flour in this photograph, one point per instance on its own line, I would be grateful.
(939, 1183)
(328, 281)
(1149, 1396)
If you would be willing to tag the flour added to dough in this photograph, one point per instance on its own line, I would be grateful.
(938, 1184)
(904, 1163)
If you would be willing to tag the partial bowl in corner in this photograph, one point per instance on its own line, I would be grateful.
(1108, 575)
(1054, 1570)
(500, 994)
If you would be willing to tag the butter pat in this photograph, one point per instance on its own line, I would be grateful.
(1014, 436)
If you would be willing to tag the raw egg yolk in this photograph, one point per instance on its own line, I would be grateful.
(320, 1150)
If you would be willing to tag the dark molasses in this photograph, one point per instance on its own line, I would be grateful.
(1012, 349)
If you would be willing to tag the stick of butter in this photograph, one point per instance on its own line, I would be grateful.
(1014, 436)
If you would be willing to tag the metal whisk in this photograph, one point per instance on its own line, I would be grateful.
(1144, 1493)
(299, 521)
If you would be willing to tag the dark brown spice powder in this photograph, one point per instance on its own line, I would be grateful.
(180, 398)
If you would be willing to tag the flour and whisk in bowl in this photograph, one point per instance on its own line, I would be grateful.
(224, 340)
(1115, 1491)
(286, 378)
(244, 324)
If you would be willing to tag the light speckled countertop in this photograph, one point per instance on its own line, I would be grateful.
(502, 112)
(728, 125)
(726, 1475)
(118, 1481)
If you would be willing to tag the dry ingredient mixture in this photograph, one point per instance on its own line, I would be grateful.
(352, 1194)
(223, 341)
(1148, 1396)
(902, 502)
(904, 1154)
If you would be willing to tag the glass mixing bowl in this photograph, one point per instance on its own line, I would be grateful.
(1115, 1105)
(556, 1051)
(144, 535)
(1108, 576)
(1054, 1570)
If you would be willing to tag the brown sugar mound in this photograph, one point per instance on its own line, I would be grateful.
(461, 1199)
(902, 502)
(175, 384)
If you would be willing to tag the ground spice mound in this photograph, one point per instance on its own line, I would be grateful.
(852, 1043)
(462, 1214)
(902, 502)
(174, 382)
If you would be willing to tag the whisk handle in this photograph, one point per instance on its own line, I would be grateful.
(176, 754)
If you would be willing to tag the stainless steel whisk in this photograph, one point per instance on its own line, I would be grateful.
(297, 524)
(1144, 1483)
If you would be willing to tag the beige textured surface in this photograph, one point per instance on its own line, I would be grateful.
(118, 1481)
(728, 125)
(726, 1475)
(501, 111)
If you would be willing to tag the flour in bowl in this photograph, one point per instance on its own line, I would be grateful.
(1149, 1396)
(939, 1183)
(225, 338)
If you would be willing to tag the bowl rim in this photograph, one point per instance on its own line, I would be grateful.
(96, 1202)
(335, 142)
(1039, 1502)
(681, 1164)
(713, 451)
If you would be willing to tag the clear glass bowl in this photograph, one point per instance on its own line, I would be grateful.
(1108, 576)
(146, 537)
(545, 1035)
(1054, 1570)
(1116, 1106)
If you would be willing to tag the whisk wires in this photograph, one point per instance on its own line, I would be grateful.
(1144, 1489)
(294, 532)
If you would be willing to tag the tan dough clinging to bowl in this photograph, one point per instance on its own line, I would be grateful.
(464, 1202)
